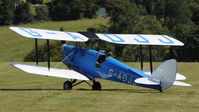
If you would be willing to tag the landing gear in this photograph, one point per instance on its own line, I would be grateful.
(96, 86)
(68, 85)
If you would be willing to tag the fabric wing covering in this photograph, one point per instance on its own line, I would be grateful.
(54, 72)
(136, 39)
(49, 34)
(140, 39)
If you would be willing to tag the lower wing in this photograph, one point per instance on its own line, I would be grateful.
(54, 72)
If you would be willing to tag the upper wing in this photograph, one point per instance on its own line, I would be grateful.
(49, 34)
(140, 39)
(54, 72)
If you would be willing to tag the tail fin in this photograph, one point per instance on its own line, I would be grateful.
(165, 74)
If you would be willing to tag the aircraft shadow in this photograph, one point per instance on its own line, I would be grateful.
(125, 90)
(113, 90)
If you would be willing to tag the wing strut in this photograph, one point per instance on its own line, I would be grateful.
(141, 57)
(150, 56)
(36, 52)
(48, 51)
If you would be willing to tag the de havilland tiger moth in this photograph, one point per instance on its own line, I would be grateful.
(88, 65)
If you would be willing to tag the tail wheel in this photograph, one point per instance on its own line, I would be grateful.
(67, 85)
(96, 86)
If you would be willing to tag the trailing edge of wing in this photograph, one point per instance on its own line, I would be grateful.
(49, 34)
(54, 72)
(140, 39)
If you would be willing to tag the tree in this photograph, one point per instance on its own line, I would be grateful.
(85, 8)
(6, 12)
(41, 13)
(24, 13)
(72, 9)
(60, 10)
(35, 1)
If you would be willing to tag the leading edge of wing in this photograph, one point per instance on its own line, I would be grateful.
(49, 34)
(140, 39)
(54, 72)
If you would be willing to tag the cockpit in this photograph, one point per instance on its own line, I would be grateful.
(100, 60)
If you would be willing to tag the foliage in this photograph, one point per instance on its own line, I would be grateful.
(72, 9)
(6, 12)
(35, 1)
(41, 14)
(24, 13)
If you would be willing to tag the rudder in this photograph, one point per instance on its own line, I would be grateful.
(165, 74)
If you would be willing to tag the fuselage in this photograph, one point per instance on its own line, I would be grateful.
(94, 64)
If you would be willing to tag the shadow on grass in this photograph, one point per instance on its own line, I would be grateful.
(124, 90)
(112, 90)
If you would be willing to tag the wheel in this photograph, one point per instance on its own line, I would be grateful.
(96, 86)
(67, 85)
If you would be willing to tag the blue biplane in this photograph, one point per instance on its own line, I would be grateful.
(88, 64)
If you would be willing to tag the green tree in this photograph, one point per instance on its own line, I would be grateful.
(41, 13)
(84, 8)
(72, 9)
(60, 10)
(24, 13)
(6, 12)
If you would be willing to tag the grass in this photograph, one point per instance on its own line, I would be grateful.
(14, 47)
(20, 91)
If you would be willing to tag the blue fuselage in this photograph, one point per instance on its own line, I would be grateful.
(87, 62)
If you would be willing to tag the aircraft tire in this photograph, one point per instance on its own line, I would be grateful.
(96, 86)
(67, 85)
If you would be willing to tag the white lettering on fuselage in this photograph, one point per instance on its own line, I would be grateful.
(120, 76)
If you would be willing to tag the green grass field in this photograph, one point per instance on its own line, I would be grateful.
(24, 92)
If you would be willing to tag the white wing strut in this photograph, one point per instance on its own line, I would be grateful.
(54, 72)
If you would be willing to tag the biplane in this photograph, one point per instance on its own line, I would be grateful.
(88, 65)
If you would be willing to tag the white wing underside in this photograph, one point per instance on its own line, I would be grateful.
(54, 72)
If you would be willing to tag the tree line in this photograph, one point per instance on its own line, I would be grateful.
(176, 18)
(36, 10)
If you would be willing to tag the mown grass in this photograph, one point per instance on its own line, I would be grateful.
(14, 47)
(24, 92)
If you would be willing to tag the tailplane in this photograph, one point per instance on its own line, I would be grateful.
(164, 76)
